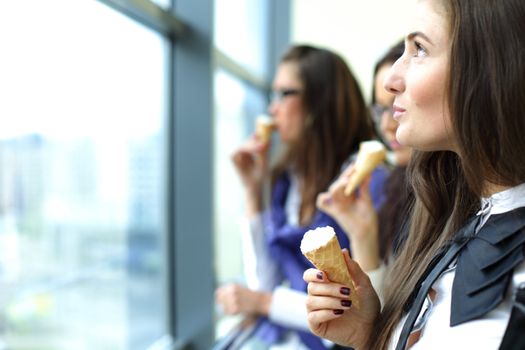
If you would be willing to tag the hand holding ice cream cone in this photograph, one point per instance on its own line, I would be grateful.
(322, 249)
(251, 158)
(251, 163)
(329, 314)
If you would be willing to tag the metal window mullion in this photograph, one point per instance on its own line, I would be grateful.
(193, 176)
(225, 62)
(170, 200)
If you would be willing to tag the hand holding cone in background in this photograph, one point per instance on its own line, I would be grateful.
(322, 249)
(370, 155)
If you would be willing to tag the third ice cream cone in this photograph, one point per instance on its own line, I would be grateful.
(264, 127)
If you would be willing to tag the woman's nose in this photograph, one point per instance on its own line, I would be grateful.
(394, 81)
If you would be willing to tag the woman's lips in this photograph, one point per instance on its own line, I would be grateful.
(398, 112)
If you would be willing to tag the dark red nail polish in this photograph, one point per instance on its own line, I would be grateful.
(346, 303)
(320, 275)
(338, 311)
(345, 291)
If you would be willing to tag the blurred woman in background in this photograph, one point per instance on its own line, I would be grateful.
(321, 117)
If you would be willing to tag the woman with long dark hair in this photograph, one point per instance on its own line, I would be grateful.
(459, 102)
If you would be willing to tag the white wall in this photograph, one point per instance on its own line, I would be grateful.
(359, 30)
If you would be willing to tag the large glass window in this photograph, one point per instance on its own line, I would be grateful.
(82, 161)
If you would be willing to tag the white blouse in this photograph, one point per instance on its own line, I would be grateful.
(482, 333)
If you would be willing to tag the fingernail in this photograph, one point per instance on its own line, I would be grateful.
(345, 291)
(338, 311)
(346, 303)
(320, 275)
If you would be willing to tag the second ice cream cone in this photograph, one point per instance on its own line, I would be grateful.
(371, 154)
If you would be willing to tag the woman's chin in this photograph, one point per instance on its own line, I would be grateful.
(403, 156)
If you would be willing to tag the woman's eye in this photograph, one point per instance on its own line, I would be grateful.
(420, 50)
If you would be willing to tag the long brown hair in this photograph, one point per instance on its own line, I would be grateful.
(486, 100)
(337, 121)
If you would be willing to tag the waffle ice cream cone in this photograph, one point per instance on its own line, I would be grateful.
(370, 155)
(264, 126)
(322, 249)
